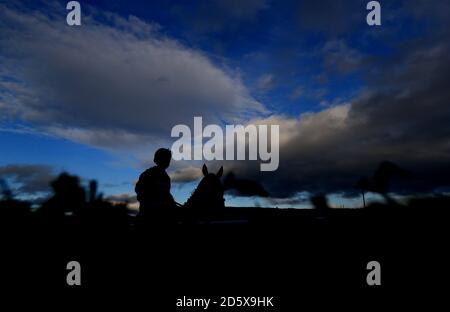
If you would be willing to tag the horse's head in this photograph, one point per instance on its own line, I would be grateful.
(209, 191)
(211, 183)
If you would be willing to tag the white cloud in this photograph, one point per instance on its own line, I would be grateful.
(266, 82)
(297, 93)
(186, 174)
(339, 56)
(102, 83)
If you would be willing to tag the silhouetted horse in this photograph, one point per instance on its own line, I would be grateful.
(209, 192)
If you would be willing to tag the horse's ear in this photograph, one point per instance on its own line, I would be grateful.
(220, 172)
(205, 170)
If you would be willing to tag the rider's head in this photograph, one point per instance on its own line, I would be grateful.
(162, 157)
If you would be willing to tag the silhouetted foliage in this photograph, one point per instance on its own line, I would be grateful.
(68, 197)
(5, 191)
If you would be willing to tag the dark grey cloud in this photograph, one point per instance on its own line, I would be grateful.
(111, 84)
(402, 115)
(27, 179)
(186, 174)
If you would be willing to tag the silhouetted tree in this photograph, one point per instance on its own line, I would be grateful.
(5, 190)
(381, 179)
(363, 185)
(68, 196)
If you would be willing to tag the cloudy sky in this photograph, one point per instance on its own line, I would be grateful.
(96, 100)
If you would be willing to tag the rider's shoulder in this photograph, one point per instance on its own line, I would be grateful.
(155, 170)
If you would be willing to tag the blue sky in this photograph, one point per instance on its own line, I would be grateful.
(96, 100)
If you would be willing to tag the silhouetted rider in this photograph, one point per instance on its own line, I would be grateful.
(153, 187)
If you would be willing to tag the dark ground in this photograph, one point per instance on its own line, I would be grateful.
(297, 256)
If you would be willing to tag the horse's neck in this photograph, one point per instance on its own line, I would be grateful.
(202, 196)
(196, 197)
